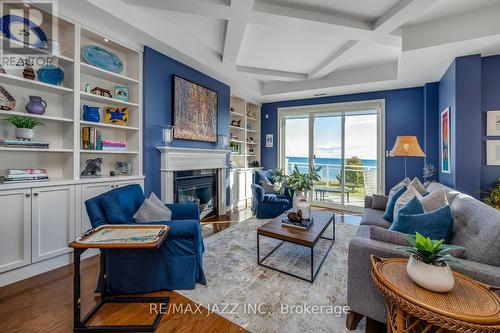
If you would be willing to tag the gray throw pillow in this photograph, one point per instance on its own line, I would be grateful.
(270, 188)
(417, 184)
(409, 194)
(398, 186)
(152, 210)
(379, 201)
(434, 200)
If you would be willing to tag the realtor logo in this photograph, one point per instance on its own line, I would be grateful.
(29, 34)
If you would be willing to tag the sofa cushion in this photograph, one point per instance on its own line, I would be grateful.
(409, 194)
(477, 228)
(388, 236)
(398, 186)
(412, 218)
(451, 193)
(379, 201)
(434, 200)
(374, 217)
(259, 176)
(276, 198)
(389, 211)
(417, 185)
(121, 204)
(152, 210)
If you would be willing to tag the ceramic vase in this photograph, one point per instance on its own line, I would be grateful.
(36, 105)
(435, 278)
(91, 113)
(24, 133)
(299, 196)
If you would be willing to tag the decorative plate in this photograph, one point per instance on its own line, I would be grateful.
(102, 58)
(51, 74)
(18, 28)
(7, 102)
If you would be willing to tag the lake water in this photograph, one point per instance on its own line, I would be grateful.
(330, 166)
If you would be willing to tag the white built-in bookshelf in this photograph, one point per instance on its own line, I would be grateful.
(63, 122)
(246, 136)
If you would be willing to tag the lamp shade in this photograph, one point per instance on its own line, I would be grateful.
(407, 146)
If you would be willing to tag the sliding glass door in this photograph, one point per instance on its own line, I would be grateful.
(345, 141)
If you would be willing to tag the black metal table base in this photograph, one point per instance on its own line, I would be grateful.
(80, 325)
(314, 273)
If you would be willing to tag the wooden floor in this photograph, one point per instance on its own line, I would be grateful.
(44, 303)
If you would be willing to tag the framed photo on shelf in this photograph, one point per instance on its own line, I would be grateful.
(493, 123)
(492, 152)
(444, 141)
(121, 93)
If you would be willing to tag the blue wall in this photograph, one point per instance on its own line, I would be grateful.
(460, 89)
(403, 116)
(490, 89)
(158, 103)
(431, 125)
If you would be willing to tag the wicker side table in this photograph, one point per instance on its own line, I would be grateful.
(470, 307)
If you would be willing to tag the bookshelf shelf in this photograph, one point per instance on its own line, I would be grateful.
(106, 100)
(104, 125)
(127, 152)
(236, 127)
(33, 84)
(43, 150)
(107, 75)
(5, 114)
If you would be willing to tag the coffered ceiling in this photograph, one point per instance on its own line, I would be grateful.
(282, 49)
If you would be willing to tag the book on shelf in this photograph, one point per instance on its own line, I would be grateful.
(91, 138)
(24, 175)
(13, 143)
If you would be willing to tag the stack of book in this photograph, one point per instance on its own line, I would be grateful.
(24, 175)
(114, 145)
(91, 139)
(13, 143)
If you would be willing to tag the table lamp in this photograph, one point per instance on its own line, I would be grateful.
(407, 146)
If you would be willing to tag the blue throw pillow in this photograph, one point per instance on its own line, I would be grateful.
(121, 204)
(389, 210)
(436, 225)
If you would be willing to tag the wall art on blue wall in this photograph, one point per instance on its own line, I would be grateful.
(195, 111)
(445, 141)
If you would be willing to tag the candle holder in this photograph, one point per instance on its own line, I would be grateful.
(223, 142)
(168, 134)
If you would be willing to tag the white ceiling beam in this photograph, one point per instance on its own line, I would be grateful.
(235, 30)
(401, 13)
(454, 29)
(348, 77)
(334, 60)
(309, 22)
(208, 9)
(271, 73)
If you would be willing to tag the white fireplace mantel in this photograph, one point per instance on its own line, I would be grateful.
(181, 159)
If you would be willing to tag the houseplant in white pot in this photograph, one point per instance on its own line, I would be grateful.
(300, 184)
(24, 126)
(427, 265)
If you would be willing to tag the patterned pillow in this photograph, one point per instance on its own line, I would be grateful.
(270, 188)
(398, 186)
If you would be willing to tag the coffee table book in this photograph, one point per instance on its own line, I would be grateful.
(305, 224)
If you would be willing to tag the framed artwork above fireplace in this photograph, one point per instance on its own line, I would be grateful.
(195, 111)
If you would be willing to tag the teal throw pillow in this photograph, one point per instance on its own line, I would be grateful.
(389, 210)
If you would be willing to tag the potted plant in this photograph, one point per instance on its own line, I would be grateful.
(300, 184)
(24, 126)
(427, 265)
(493, 197)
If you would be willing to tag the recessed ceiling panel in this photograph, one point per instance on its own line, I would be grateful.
(363, 10)
(369, 55)
(281, 50)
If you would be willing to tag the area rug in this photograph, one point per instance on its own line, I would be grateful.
(263, 300)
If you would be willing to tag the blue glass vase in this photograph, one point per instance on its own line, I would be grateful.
(91, 113)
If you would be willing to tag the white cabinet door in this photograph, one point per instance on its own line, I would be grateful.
(15, 229)
(53, 221)
(233, 185)
(89, 191)
(248, 184)
(122, 183)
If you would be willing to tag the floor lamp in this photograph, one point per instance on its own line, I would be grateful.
(407, 146)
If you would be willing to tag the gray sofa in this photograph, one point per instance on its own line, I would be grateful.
(476, 227)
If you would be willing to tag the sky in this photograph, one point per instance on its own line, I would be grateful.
(360, 137)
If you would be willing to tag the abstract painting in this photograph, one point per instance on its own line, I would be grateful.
(195, 111)
(445, 141)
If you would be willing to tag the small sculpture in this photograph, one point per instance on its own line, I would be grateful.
(236, 123)
(295, 216)
(93, 167)
(101, 92)
(29, 72)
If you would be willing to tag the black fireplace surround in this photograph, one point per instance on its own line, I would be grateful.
(197, 186)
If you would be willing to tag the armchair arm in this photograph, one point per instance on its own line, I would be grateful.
(184, 211)
(258, 192)
(368, 201)
(481, 272)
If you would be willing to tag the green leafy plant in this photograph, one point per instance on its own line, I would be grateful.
(493, 197)
(24, 122)
(297, 181)
(354, 177)
(428, 251)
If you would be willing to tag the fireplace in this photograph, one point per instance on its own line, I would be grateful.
(197, 186)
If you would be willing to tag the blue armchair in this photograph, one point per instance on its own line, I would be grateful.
(268, 205)
(177, 264)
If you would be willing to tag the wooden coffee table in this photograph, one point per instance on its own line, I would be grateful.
(470, 306)
(307, 238)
